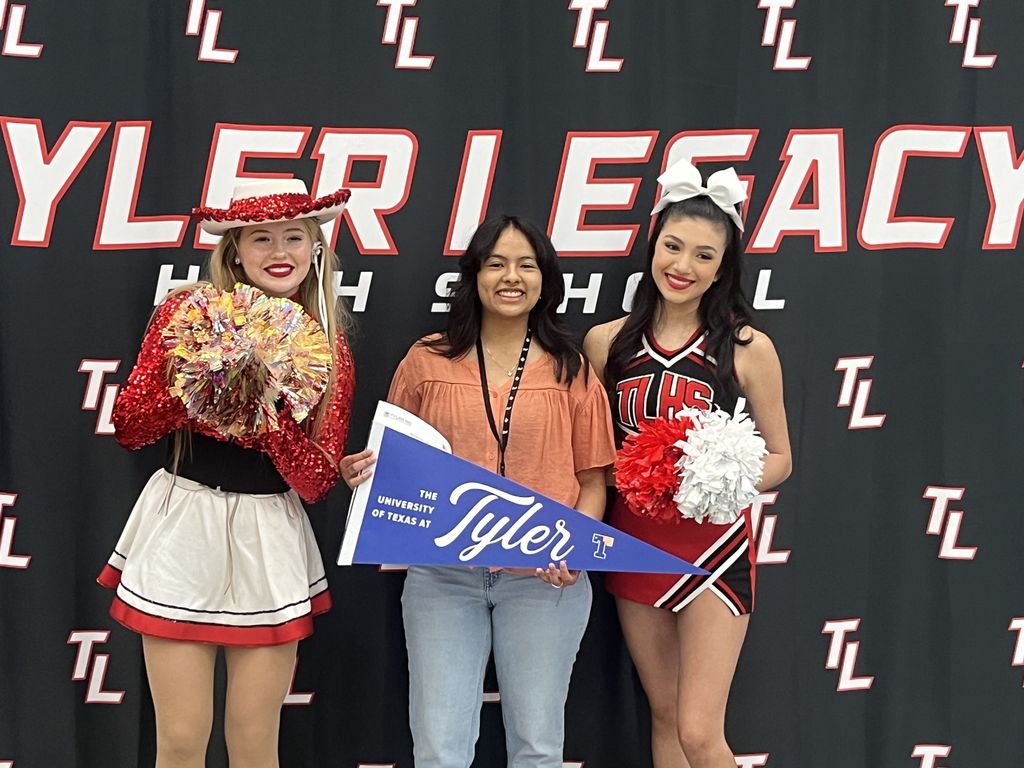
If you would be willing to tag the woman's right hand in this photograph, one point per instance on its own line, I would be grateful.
(355, 469)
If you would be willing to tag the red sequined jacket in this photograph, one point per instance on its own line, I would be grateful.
(145, 411)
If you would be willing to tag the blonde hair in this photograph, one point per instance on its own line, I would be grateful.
(223, 273)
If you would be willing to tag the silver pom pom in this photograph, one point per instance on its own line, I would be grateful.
(722, 462)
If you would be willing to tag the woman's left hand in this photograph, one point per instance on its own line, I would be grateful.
(355, 468)
(558, 577)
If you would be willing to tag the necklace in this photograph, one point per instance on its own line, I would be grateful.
(502, 367)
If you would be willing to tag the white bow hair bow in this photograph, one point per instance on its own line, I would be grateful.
(681, 181)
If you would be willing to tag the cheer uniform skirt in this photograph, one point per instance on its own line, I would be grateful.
(198, 564)
(723, 550)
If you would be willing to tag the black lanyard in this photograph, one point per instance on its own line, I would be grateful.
(502, 439)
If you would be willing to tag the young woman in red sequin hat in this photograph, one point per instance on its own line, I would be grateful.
(218, 550)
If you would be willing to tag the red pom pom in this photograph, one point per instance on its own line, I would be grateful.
(645, 469)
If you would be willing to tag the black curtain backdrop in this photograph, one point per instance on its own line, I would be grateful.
(884, 142)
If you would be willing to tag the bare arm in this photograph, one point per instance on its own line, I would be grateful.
(760, 375)
(592, 492)
(596, 344)
(597, 341)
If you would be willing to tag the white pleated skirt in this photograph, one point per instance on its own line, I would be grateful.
(197, 564)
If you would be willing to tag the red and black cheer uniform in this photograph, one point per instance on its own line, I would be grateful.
(657, 383)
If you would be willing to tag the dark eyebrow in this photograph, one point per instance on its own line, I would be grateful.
(705, 247)
(496, 255)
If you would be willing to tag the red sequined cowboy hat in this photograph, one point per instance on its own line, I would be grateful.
(254, 202)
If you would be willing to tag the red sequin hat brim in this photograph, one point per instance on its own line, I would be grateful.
(279, 207)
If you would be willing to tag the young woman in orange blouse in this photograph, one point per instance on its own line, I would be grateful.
(544, 423)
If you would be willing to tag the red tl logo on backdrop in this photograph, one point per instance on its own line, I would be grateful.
(592, 34)
(8, 558)
(842, 655)
(855, 391)
(945, 522)
(99, 396)
(92, 666)
(401, 31)
(930, 753)
(965, 31)
(12, 20)
(778, 33)
(205, 25)
(763, 525)
(1017, 660)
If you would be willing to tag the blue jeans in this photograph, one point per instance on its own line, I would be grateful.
(453, 618)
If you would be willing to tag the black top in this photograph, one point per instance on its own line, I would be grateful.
(226, 466)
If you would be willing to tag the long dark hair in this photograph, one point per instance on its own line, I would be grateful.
(723, 311)
(549, 330)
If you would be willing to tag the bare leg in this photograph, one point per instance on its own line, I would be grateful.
(181, 680)
(710, 639)
(652, 638)
(258, 681)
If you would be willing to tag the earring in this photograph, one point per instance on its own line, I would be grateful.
(318, 250)
(237, 260)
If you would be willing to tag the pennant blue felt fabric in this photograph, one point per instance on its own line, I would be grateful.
(424, 506)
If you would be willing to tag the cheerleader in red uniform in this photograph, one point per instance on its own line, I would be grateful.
(688, 343)
(218, 550)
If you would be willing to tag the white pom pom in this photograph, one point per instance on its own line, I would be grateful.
(722, 462)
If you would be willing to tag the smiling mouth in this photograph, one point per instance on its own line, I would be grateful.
(511, 294)
(279, 270)
(678, 283)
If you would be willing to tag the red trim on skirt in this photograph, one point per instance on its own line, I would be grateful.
(214, 634)
(109, 577)
(704, 544)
